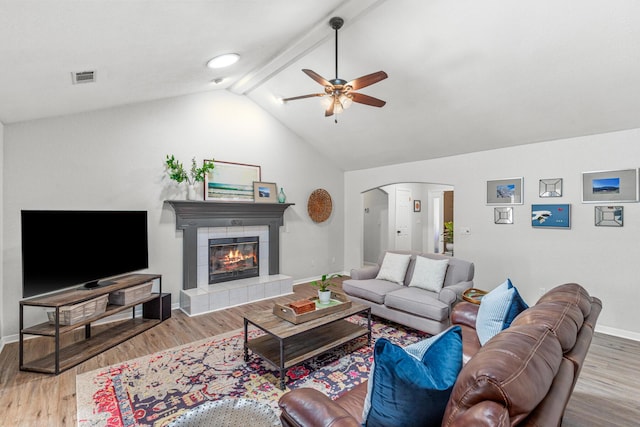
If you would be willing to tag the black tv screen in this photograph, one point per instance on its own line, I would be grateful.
(61, 249)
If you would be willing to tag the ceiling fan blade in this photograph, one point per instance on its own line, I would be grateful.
(329, 111)
(366, 99)
(311, 95)
(367, 80)
(317, 77)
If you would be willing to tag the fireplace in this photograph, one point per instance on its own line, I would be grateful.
(233, 258)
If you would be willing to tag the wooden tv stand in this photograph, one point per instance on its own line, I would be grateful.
(63, 358)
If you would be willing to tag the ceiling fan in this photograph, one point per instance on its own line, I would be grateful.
(341, 94)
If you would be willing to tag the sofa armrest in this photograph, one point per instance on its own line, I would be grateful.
(465, 313)
(366, 272)
(452, 293)
(309, 407)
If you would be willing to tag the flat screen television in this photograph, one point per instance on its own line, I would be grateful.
(62, 249)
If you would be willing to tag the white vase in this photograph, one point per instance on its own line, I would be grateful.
(324, 296)
(194, 192)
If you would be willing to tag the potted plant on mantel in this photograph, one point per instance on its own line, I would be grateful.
(176, 172)
(324, 294)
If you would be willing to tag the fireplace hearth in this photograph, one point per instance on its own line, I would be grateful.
(233, 258)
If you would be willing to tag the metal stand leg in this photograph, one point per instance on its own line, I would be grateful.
(369, 326)
(246, 341)
(281, 364)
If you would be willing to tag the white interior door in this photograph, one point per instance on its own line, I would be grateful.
(404, 207)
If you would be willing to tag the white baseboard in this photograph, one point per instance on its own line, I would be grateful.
(621, 333)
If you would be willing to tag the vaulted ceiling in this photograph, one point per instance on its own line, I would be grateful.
(464, 75)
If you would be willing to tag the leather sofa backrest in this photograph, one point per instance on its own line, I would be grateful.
(508, 377)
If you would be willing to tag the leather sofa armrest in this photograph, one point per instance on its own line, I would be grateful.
(366, 272)
(309, 407)
(465, 313)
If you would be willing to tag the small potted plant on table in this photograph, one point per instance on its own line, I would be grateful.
(324, 294)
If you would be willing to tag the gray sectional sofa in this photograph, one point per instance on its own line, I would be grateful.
(412, 306)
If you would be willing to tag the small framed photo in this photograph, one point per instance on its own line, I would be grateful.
(503, 215)
(551, 216)
(609, 216)
(504, 191)
(610, 186)
(265, 192)
(551, 187)
(417, 205)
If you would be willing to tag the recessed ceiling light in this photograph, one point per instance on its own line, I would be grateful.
(222, 61)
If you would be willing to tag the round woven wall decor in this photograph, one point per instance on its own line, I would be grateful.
(319, 205)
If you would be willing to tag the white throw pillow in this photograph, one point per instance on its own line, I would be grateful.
(394, 267)
(429, 273)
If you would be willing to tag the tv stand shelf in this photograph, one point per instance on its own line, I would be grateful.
(63, 358)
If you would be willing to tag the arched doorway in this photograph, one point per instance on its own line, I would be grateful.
(405, 216)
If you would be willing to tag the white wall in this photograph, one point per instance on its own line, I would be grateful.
(1, 233)
(114, 159)
(602, 259)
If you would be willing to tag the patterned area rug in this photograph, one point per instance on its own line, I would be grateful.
(154, 389)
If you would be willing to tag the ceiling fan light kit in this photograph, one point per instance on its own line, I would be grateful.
(339, 94)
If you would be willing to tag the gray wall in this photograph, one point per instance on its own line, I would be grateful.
(114, 159)
(602, 259)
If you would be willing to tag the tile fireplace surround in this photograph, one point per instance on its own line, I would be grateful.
(201, 221)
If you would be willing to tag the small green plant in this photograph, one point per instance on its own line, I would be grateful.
(177, 172)
(448, 232)
(324, 283)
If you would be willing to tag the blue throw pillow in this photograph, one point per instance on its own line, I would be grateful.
(497, 310)
(411, 386)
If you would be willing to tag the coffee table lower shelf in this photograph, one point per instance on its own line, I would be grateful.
(284, 353)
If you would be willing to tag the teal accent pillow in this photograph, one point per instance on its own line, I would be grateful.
(411, 386)
(497, 310)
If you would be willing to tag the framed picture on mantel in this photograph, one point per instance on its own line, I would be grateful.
(265, 192)
(231, 181)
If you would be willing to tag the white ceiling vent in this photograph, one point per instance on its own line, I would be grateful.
(83, 77)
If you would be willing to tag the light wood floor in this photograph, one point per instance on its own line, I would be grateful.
(607, 392)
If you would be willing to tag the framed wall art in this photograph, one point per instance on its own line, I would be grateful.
(417, 205)
(265, 192)
(609, 216)
(610, 186)
(231, 182)
(503, 215)
(551, 187)
(504, 191)
(551, 216)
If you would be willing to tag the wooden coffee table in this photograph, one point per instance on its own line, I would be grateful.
(287, 344)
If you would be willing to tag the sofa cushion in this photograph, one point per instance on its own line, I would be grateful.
(497, 310)
(411, 386)
(394, 267)
(373, 290)
(417, 301)
(429, 273)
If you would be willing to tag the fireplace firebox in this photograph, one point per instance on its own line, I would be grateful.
(233, 258)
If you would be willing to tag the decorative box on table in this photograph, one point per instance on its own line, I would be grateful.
(338, 302)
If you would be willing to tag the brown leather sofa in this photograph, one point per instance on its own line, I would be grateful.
(523, 376)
